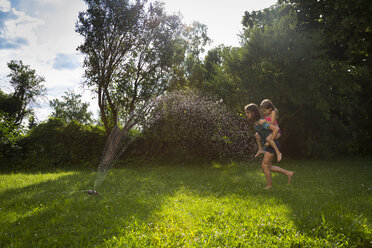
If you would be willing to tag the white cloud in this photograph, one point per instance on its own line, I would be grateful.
(36, 32)
(5, 5)
(22, 27)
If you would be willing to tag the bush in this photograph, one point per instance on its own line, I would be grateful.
(57, 144)
(185, 124)
(9, 134)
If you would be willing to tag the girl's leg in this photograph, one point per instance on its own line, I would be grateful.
(267, 139)
(289, 174)
(273, 145)
(266, 164)
(277, 136)
(258, 140)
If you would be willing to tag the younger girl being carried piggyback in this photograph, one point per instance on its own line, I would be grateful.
(270, 114)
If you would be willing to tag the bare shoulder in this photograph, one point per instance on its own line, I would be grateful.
(273, 117)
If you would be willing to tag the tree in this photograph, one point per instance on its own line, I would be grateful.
(27, 88)
(345, 26)
(9, 134)
(211, 62)
(8, 104)
(196, 38)
(221, 76)
(131, 54)
(319, 98)
(71, 108)
(345, 29)
(32, 122)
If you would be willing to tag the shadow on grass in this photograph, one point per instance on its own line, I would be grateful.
(330, 199)
(59, 213)
(325, 199)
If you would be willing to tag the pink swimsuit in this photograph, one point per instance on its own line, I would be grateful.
(268, 118)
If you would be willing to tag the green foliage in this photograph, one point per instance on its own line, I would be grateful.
(8, 104)
(27, 88)
(215, 205)
(9, 134)
(71, 108)
(345, 27)
(345, 33)
(32, 122)
(196, 39)
(55, 143)
(323, 102)
(128, 62)
(186, 125)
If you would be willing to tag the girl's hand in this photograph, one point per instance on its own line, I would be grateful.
(260, 151)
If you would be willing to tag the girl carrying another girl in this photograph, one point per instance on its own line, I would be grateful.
(264, 129)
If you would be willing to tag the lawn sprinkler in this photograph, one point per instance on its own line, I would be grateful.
(93, 192)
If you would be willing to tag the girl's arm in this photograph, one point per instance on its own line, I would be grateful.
(273, 128)
(273, 117)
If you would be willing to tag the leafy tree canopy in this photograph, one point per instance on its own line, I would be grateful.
(323, 100)
(71, 108)
(345, 27)
(133, 51)
(27, 85)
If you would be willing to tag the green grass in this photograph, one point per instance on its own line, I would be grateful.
(328, 204)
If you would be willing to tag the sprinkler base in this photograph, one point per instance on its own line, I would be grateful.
(93, 192)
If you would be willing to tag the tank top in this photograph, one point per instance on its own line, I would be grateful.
(264, 131)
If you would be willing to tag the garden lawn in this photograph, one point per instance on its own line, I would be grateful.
(328, 204)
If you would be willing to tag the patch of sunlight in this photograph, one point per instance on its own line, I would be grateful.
(16, 217)
(193, 217)
(216, 165)
(188, 219)
(232, 165)
(21, 180)
(35, 210)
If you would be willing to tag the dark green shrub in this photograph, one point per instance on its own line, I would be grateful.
(57, 144)
(9, 134)
(187, 125)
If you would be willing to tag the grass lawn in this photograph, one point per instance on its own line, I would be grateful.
(328, 204)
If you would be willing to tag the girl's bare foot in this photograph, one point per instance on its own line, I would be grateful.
(268, 187)
(290, 176)
(260, 151)
(279, 157)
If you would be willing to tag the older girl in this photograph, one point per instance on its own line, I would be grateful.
(264, 129)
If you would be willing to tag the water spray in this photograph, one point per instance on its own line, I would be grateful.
(212, 125)
(119, 140)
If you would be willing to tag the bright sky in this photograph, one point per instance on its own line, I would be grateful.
(41, 34)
